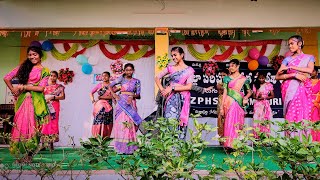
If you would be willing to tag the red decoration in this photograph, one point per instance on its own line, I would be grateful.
(65, 76)
(210, 68)
(277, 61)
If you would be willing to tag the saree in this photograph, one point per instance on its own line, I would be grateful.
(50, 131)
(127, 118)
(296, 95)
(232, 106)
(261, 109)
(31, 112)
(102, 113)
(315, 111)
(177, 104)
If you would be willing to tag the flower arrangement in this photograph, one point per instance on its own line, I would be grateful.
(65, 76)
(117, 67)
(210, 68)
(163, 61)
(277, 61)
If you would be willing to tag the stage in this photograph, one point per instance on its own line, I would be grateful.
(69, 158)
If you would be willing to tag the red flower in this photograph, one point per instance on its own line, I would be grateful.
(65, 75)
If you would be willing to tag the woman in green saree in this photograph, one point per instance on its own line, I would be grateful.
(30, 109)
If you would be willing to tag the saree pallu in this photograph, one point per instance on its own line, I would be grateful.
(125, 126)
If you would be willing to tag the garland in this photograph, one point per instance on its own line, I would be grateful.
(275, 52)
(241, 55)
(44, 55)
(227, 53)
(114, 56)
(136, 55)
(90, 43)
(202, 56)
(67, 47)
(64, 56)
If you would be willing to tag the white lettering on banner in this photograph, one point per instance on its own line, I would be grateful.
(274, 101)
(205, 112)
(208, 101)
(200, 100)
(196, 79)
(197, 65)
(204, 100)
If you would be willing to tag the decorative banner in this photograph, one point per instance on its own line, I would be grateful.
(206, 104)
(97, 78)
(227, 49)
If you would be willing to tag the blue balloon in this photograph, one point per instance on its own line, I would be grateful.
(81, 59)
(47, 45)
(86, 68)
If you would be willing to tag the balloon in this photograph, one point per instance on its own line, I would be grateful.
(254, 53)
(81, 59)
(86, 68)
(47, 45)
(288, 53)
(35, 43)
(253, 65)
(263, 60)
(93, 61)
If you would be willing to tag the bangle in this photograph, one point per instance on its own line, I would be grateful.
(24, 88)
(54, 97)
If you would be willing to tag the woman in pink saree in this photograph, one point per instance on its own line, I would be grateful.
(262, 92)
(315, 111)
(127, 119)
(296, 87)
(30, 109)
(102, 108)
(235, 99)
(53, 93)
(177, 104)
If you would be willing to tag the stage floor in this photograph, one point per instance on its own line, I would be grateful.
(70, 156)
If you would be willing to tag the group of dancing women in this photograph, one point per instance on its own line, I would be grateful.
(115, 113)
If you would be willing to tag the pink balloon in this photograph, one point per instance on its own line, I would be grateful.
(288, 53)
(254, 53)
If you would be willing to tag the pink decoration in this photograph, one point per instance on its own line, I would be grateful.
(254, 53)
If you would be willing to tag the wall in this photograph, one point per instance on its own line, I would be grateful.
(10, 55)
(153, 13)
